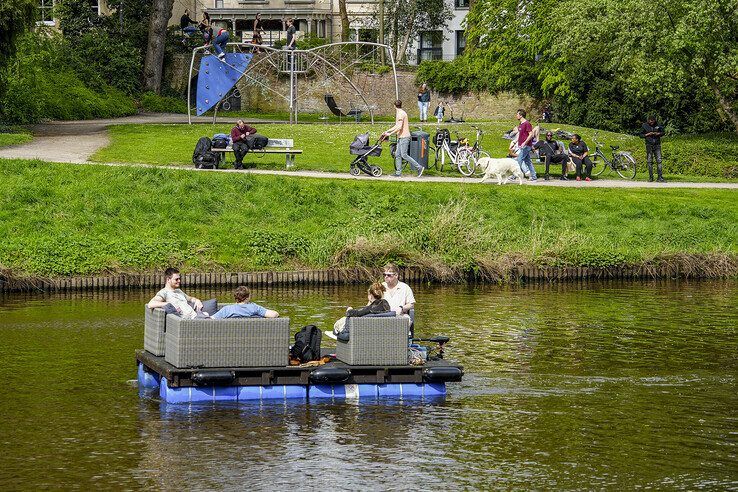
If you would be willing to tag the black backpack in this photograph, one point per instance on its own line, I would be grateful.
(307, 344)
(203, 157)
(256, 141)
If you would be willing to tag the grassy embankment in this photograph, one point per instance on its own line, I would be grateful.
(687, 158)
(14, 136)
(60, 219)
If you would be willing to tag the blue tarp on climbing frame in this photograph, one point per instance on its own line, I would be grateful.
(216, 78)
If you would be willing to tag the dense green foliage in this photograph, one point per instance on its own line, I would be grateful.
(155, 103)
(14, 138)
(60, 219)
(326, 147)
(48, 80)
(605, 63)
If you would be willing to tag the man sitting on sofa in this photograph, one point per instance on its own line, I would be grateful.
(187, 306)
(245, 308)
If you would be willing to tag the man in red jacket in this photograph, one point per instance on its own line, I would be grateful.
(238, 136)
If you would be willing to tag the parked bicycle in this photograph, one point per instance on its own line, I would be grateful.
(458, 152)
(621, 162)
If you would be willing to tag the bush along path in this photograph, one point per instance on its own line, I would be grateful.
(67, 221)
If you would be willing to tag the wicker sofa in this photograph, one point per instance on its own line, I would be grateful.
(233, 342)
(374, 341)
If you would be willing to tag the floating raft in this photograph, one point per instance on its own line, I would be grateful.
(331, 380)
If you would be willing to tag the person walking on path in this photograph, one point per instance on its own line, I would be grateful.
(652, 132)
(423, 102)
(240, 147)
(256, 38)
(525, 136)
(402, 128)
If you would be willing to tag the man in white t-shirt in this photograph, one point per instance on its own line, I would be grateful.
(398, 294)
(172, 294)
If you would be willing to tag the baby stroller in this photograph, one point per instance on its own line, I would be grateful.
(361, 149)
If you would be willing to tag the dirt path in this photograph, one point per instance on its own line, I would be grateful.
(75, 141)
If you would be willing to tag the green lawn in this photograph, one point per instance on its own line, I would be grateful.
(14, 138)
(63, 219)
(687, 158)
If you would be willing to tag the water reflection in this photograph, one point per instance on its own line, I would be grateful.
(567, 386)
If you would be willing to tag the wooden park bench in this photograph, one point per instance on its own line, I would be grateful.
(275, 146)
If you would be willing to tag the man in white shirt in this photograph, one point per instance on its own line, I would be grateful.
(398, 294)
(172, 294)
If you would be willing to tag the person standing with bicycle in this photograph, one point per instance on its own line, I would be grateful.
(652, 132)
(402, 128)
(525, 137)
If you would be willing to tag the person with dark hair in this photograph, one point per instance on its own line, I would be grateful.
(652, 132)
(185, 23)
(244, 308)
(551, 151)
(579, 154)
(525, 136)
(187, 306)
(256, 38)
(291, 35)
(423, 101)
(402, 128)
(240, 146)
(206, 28)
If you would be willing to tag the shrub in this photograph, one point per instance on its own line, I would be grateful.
(154, 103)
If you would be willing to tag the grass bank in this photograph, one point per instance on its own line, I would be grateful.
(687, 158)
(14, 137)
(60, 220)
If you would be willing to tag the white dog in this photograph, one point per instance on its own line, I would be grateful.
(500, 167)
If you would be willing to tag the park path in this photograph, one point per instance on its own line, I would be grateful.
(74, 142)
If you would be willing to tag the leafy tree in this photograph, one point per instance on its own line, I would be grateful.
(16, 16)
(408, 18)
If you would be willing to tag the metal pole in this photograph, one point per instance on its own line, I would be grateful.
(381, 28)
(189, 88)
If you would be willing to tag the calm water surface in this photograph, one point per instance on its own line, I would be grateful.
(597, 386)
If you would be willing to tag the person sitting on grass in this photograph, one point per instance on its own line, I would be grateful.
(187, 307)
(376, 305)
(244, 307)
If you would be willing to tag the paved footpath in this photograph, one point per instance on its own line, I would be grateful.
(75, 141)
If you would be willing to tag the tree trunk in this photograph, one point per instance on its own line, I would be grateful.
(345, 27)
(725, 105)
(402, 54)
(154, 63)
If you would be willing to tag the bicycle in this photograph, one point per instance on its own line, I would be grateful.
(458, 151)
(476, 149)
(621, 162)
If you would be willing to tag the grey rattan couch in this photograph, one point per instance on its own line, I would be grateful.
(374, 341)
(233, 342)
(154, 329)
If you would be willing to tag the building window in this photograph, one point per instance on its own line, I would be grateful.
(45, 10)
(461, 4)
(460, 42)
(95, 6)
(431, 46)
(218, 4)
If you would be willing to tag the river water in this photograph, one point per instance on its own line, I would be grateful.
(584, 386)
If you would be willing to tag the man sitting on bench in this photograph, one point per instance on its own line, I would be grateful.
(240, 145)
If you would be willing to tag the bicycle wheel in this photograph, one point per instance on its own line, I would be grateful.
(599, 163)
(479, 155)
(625, 166)
(466, 162)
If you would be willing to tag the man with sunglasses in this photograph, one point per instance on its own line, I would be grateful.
(172, 294)
(398, 294)
(551, 151)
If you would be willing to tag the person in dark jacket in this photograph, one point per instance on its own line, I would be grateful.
(240, 146)
(579, 154)
(423, 102)
(652, 132)
(551, 151)
(377, 305)
(185, 23)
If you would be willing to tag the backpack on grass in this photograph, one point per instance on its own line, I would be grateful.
(203, 157)
(307, 344)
